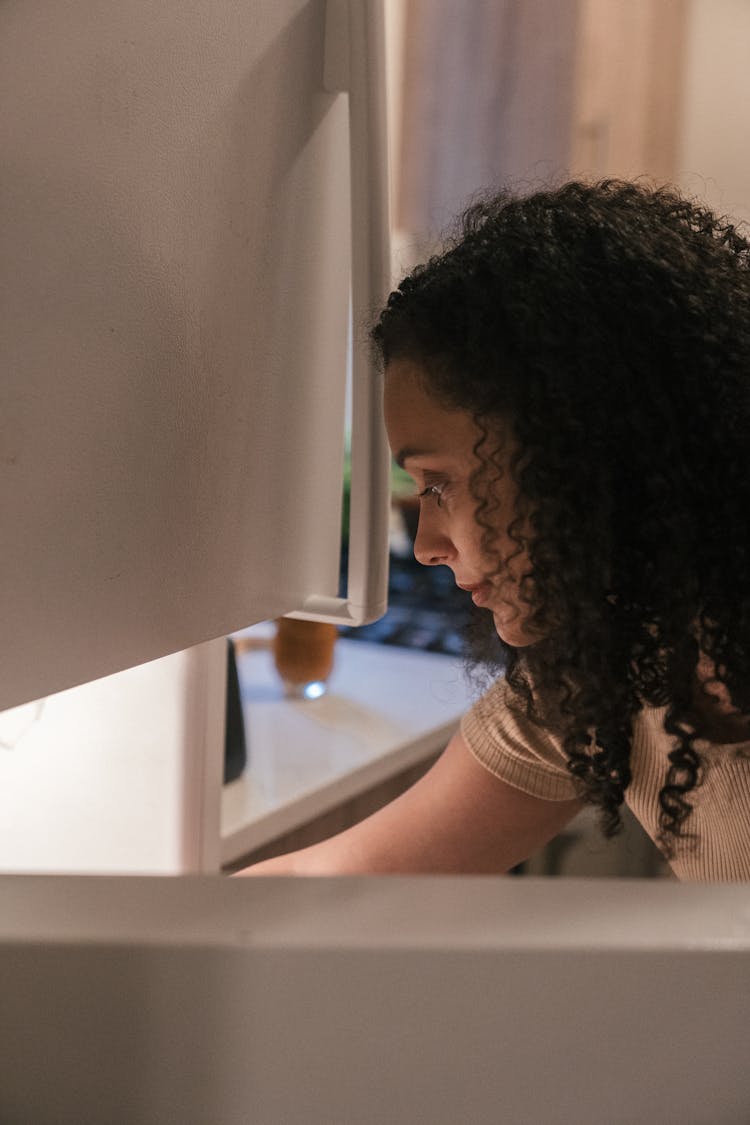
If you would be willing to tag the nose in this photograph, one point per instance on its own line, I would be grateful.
(432, 547)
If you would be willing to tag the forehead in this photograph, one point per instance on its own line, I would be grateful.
(420, 426)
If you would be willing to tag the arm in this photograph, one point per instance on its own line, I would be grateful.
(459, 818)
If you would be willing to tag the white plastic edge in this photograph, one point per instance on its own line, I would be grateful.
(355, 63)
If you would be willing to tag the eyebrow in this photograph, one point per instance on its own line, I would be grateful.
(409, 452)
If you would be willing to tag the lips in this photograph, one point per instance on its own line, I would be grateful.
(481, 592)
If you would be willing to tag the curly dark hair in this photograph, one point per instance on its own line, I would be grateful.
(609, 323)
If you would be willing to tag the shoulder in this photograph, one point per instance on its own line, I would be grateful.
(515, 747)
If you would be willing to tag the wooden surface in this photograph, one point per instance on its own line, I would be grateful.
(487, 99)
(628, 75)
(519, 93)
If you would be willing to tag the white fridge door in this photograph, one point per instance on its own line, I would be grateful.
(174, 311)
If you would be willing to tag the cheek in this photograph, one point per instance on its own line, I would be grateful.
(499, 507)
(469, 535)
(501, 555)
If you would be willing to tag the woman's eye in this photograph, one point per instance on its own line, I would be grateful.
(435, 490)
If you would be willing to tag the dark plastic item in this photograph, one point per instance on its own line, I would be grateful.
(235, 745)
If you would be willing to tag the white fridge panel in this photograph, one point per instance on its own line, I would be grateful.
(174, 287)
(402, 1000)
(118, 776)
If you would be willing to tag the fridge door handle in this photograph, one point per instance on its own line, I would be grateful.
(355, 64)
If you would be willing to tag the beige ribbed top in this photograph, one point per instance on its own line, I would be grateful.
(521, 753)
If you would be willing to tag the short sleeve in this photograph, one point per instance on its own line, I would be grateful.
(515, 748)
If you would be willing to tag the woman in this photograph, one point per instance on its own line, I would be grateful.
(569, 386)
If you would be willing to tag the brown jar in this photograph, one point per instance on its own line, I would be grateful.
(303, 655)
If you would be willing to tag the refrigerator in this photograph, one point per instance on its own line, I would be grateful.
(194, 234)
(194, 214)
(190, 192)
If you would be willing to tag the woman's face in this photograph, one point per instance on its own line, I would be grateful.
(435, 446)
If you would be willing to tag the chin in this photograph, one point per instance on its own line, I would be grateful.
(513, 632)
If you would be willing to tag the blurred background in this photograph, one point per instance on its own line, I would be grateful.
(524, 93)
(492, 92)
